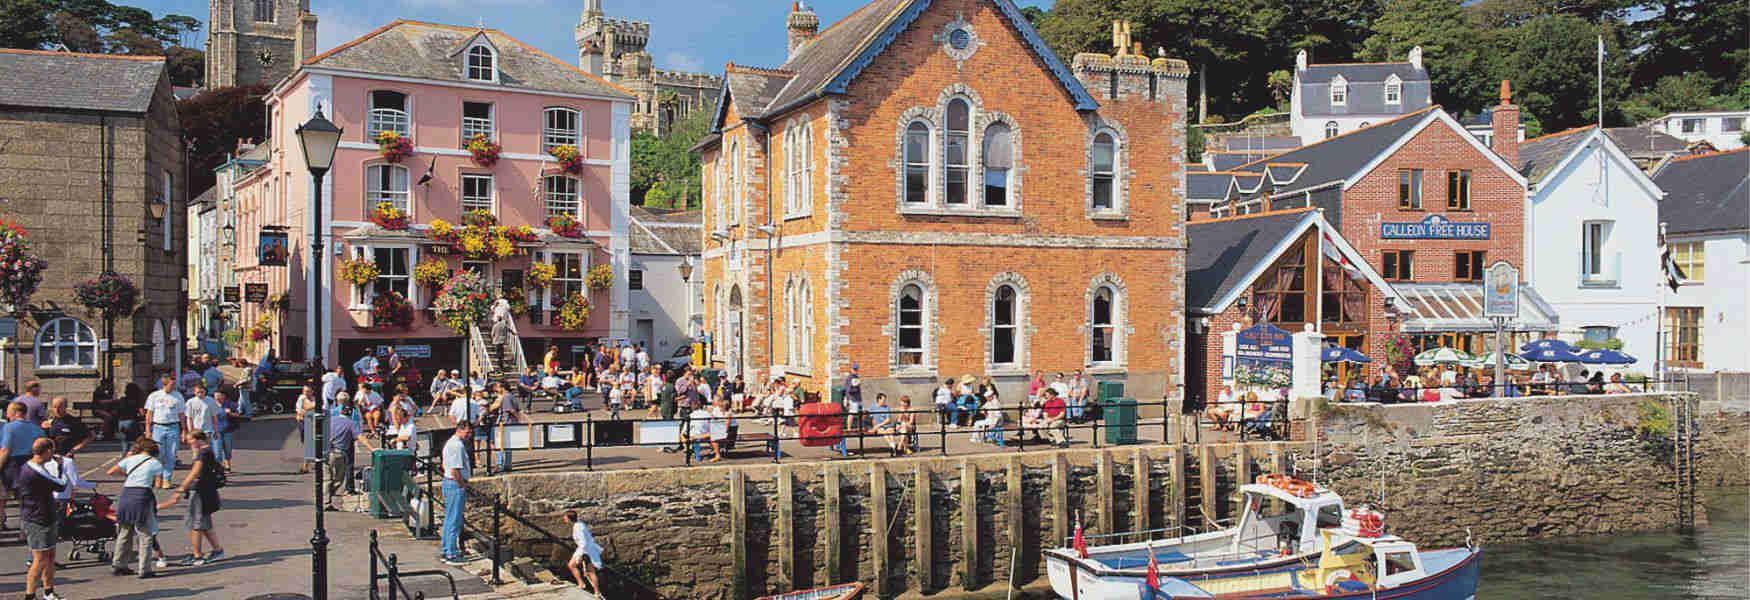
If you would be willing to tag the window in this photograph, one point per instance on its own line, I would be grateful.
(798, 169)
(917, 163)
(1280, 294)
(264, 11)
(388, 113)
(560, 128)
(476, 193)
(159, 347)
(999, 158)
(1468, 265)
(1398, 265)
(1732, 124)
(1594, 244)
(1399, 562)
(394, 270)
(66, 343)
(1345, 299)
(910, 330)
(1104, 171)
(476, 120)
(1598, 334)
(1394, 90)
(1410, 189)
(567, 277)
(386, 183)
(562, 196)
(1330, 129)
(478, 267)
(800, 327)
(1004, 336)
(168, 224)
(1694, 125)
(719, 200)
(1339, 91)
(956, 149)
(735, 182)
(482, 64)
(1691, 258)
(1102, 326)
(635, 279)
(1458, 190)
(1683, 331)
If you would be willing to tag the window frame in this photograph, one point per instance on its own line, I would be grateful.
(1411, 184)
(1595, 250)
(962, 200)
(1691, 256)
(1339, 91)
(1332, 129)
(553, 136)
(917, 165)
(1111, 326)
(1394, 91)
(563, 284)
(83, 337)
(736, 183)
(550, 195)
(920, 313)
(634, 279)
(271, 11)
(380, 119)
(1111, 177)
(375, 193)
(1684, 124)
(467, 198)
(1394, 268)
(1731, 124)
(1458, 190)
(469, 67)
(1012, 326)
(473, 125)
(1469, 265)
(1683, 339)
(391, 281)
(1008, 173)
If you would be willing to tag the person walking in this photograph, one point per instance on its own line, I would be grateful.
(204, 414)
(165, 411)
(230, 417)
(201, 487)
(136, 515)
(456, 474)
(343, 434)
(307, 406)
(17, 439)
(509, 414)
(36, 488)
(587, 548)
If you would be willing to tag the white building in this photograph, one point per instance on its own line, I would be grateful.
(1706, 215)
(1591, 242)
(1334, 99)
(1722, 128)
(666, 289)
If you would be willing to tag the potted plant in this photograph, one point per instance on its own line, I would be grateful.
(110, 294)
(359, 271)
(388, 216)
(600, 277)
(260, 331)
(564, 225)
(570, 161)
(463, 301)
(431, 273)
(521, 233)
(574, 314)
(393, 146)
(519, 301)
(540, 274)
(479, 217)
(391, 310)
(20, 270)
(484, 151)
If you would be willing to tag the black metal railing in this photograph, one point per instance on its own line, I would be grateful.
(387, 568)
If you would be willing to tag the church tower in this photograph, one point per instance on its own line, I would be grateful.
(614, 49)
(257, 41)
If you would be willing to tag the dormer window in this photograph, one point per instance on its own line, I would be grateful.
(482, 63)
(1339, 91)
(1394, 90)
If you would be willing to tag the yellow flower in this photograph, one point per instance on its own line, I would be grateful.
(473, 244)
(502, 247)
(440, 227)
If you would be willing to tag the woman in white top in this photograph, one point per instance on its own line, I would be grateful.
(402, 433)
(306, 406)
(136, 517)
(587, 547)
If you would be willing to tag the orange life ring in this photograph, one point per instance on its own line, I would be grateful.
(1289, 484)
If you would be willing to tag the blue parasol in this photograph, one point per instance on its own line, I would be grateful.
(1335, 354)
(1606, 357)
(1551, 355)
(1547, 344)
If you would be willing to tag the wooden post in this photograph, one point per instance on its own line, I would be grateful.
(1279, 458)
(835, 534)
(738, 532)
(1242, 474)
(1206, 478)
(1060, 514)
(1017, 540)
(1139, 496)
(923, 530)
(786, 529)
(878, 530)
(1107, 523)
(1175, 509)
(969, 550)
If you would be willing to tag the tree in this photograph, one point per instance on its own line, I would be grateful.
(213, 121)
(1553, 66)
(25, 24)
(1692, 35)
(665, 171)
(89, 26)
(1454, 49)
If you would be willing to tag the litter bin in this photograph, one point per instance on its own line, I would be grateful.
(387, 482)
(713, 377)
(1104, 391)
(1120, 422)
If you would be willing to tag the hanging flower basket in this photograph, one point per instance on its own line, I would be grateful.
(391, 310)
(463, 301)
(480, 239)
(574, 314)
(521, 233)
(519, 301)
(109, 294)
(20, 271)
(431, 272)
(394, 146)
(390, 217)
(600, 277)
(479, 217)
(540, 274)
(484, 151)
(261, 331)
(565, 226)
(570, 161)
(281, 301)
(359, 271)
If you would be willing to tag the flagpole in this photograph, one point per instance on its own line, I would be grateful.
(1659, 315)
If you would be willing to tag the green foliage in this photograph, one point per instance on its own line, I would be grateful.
(213, 121)
(1610, 344)
(1194, 142)
(94, 26)
(25, 24)
(1653, 420)
(665, 171)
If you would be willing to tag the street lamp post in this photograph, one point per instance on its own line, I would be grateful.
(318, 138)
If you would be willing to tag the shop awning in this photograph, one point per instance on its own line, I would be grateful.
(1449, 307)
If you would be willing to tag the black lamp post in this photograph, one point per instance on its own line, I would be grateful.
(318, 138)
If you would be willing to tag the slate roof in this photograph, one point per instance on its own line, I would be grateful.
(1222, 252)
(1337, 158)
(754, 89)
(1645, 142)
(1222, 161)
(666, 232)
(66, 80)
(1252, 143)
(1366, 89)
(1539, 155)
(1210, 186)
(433, 51)
(1708, 192)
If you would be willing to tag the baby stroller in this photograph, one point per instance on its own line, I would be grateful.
(89, 526)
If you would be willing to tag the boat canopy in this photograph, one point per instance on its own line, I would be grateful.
(1320, 496)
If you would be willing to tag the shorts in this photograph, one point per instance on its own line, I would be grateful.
(595, 558)
(198, 517)
(42, 536)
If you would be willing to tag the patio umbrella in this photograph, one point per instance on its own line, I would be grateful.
(1551, 355)
(1606, 357)
(1333, 354)
(1440, 356)
(1547, 344)
(1515, 362)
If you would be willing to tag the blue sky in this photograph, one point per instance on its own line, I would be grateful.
(691, 35)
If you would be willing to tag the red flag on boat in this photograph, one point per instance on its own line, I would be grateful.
(1080, 544)
(1153, 579)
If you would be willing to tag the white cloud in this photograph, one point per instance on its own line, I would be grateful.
(681, 61)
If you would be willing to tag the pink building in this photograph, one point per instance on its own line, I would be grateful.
(439, 86)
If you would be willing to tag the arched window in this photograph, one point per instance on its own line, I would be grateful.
(482, 63)
(800, 329)
(264, 11)
(1105, 323)
(917, 163)
(798, 169)
(563, 196)
(956, 149)
(1330, 129)
(1103, 171)
(735, 182)
(388, 113)
(561, 126)
(1339, 91)
(718, 198)
(386, 183)
(66, 343)
(805, 295)
(792, 324)
(158, 345)
(1004, 319)
(999, 160)
(1394, 90)
(805, 188)
(909, 330)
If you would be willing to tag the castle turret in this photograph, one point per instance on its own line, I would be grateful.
(803, 26)
(1128, 74)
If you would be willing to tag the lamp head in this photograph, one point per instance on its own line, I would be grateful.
(318, 137)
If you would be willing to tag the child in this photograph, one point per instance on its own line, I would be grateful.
(586, 548)
(616, 401)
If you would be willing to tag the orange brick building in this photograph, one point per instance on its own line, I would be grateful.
(924, 190)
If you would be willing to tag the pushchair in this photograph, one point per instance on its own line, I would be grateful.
(89, 526)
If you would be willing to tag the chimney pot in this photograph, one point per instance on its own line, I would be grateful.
(1504, 127)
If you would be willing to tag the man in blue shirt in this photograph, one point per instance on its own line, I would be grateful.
(343, 435)
(16, 438)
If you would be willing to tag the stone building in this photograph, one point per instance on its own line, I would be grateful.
(91, 166)
(614, 50)
(257, 41)
(925, 190)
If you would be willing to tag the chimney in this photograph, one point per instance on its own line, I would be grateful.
(1416, 57)
(1504, 127)
(803, 25)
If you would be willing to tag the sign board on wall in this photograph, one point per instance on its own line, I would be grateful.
(233, 294)
(255, 292)
(1434, 227)
(1501, 291)
(273, 250)
(1263, 363)
(408, 350)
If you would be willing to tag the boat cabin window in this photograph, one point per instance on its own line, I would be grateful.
(1399, 562)
(1330, 515)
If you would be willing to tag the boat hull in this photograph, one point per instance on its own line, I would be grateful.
(1456, 582)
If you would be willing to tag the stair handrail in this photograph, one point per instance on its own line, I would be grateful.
(477, 353)
(516, 344)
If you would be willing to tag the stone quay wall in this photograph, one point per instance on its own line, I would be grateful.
(1505, 470)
